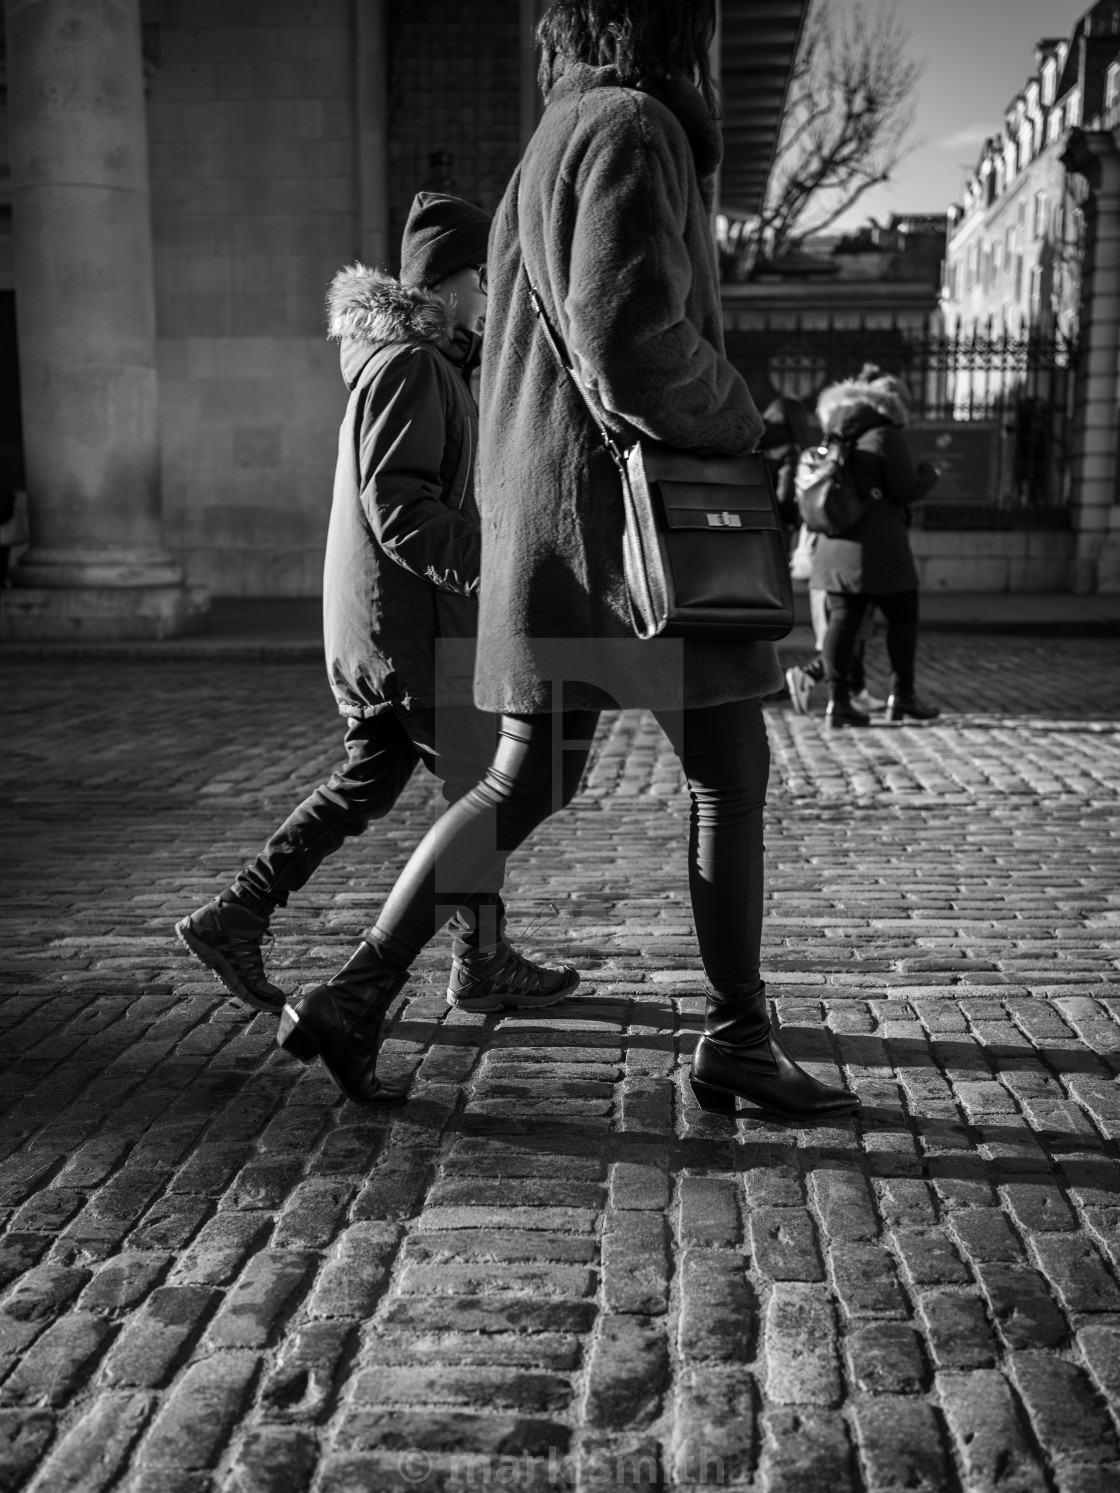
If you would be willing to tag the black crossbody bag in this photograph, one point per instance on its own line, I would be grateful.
(704, 555)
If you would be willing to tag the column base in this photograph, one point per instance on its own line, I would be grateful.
(41, 614)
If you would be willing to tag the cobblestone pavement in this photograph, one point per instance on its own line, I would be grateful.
(549, 1269)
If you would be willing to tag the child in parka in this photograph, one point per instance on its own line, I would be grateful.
(400, 604)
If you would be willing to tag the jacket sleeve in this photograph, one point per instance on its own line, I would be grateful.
(401, 448)
(904, 483)
(629, 279)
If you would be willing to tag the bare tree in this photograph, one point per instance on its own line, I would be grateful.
(847, 126)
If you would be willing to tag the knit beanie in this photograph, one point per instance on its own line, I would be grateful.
(443, 235)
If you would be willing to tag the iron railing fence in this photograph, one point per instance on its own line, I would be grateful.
(1016, 387)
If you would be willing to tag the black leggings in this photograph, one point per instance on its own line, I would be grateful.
(845, 613)
(537, 769)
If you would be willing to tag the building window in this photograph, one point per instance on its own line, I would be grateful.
(997, 259)
(1036, 292)
(1040, 214)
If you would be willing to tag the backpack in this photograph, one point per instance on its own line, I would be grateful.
(828, 499)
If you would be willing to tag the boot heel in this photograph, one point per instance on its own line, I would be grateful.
(294, 1038)
(713, 1100)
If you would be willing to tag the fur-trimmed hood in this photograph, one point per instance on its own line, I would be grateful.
(371, 308)
(852, 406)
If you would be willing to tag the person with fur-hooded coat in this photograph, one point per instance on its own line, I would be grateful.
(400, 612)
(871, 563)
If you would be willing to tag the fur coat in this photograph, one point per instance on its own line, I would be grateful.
(874, 556)
(402, 559)
(609, 210)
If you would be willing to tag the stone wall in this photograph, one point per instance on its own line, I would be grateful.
(253, 171)
(993, 561)
(253, 127)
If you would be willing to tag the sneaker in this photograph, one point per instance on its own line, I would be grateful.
(867, 702)
(800, 687)
(501, 979)
(228, 939)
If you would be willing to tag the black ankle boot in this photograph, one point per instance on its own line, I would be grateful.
(341, 1023)
(739, 1056)
(841, 712)
(907, 703)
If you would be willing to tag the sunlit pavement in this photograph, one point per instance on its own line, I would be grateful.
(549, 1269)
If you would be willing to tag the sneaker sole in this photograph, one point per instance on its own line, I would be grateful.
(800, 706)
(224, 970)
(496, 1001)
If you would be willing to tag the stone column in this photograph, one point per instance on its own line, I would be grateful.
(1096, 559)
(85, 316)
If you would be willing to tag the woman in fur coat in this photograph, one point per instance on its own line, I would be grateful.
(609, 213)
(871, 563)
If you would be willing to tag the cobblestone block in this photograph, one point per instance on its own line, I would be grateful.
(220, 1248)
(251, 1308)
(474, 1387)
(477, 1313)
(928, 1258)
(639, 1185)
(885, 1358)
(783, 1244)
(713, 1428)
(198, 1416)
(864, 1280)
(273, 1459)
(905, 1202)
(312, 1214)
(900, 1445)
(772, 1177)
(447, 1433)
(264, 1184)
(844, 1204)
(805, 1451)
(635, 1263)
(956, 1328)
(1069, 1418)
(208, 1171)
(48, 1372)
(481, 1277)
(716, 1308)
(300, 1383)
(36, 1299)
(24, 1436)
(90, 1455)
(1100, 1348)
(985, 1236)
(1037, 1206)
(351, 1281)
(1021, 1306)
(799, 1347)
(558, 1352)
(708, 1212)
(390, 1193)
(988, 1432)
(18, 1252)
(1075, 1269)
(627, 1374)
(158, 1336)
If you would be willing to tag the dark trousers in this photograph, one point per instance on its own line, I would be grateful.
(537, 769)
(455, 744)
(845, 614)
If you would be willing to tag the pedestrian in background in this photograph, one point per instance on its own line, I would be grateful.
(609, 213)
(786, 431)
(871, 564)
(400, 579)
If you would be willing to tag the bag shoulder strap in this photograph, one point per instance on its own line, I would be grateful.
(562, 355)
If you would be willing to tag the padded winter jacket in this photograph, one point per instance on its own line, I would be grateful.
(402, 560)
(873, 557)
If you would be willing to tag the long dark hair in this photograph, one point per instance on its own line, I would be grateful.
(641, 38)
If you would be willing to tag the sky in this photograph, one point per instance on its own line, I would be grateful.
(977, 56)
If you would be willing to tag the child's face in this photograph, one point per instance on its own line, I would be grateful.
(465, 293)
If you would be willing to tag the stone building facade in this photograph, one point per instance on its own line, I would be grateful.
(1033, 249)
(186, 177)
